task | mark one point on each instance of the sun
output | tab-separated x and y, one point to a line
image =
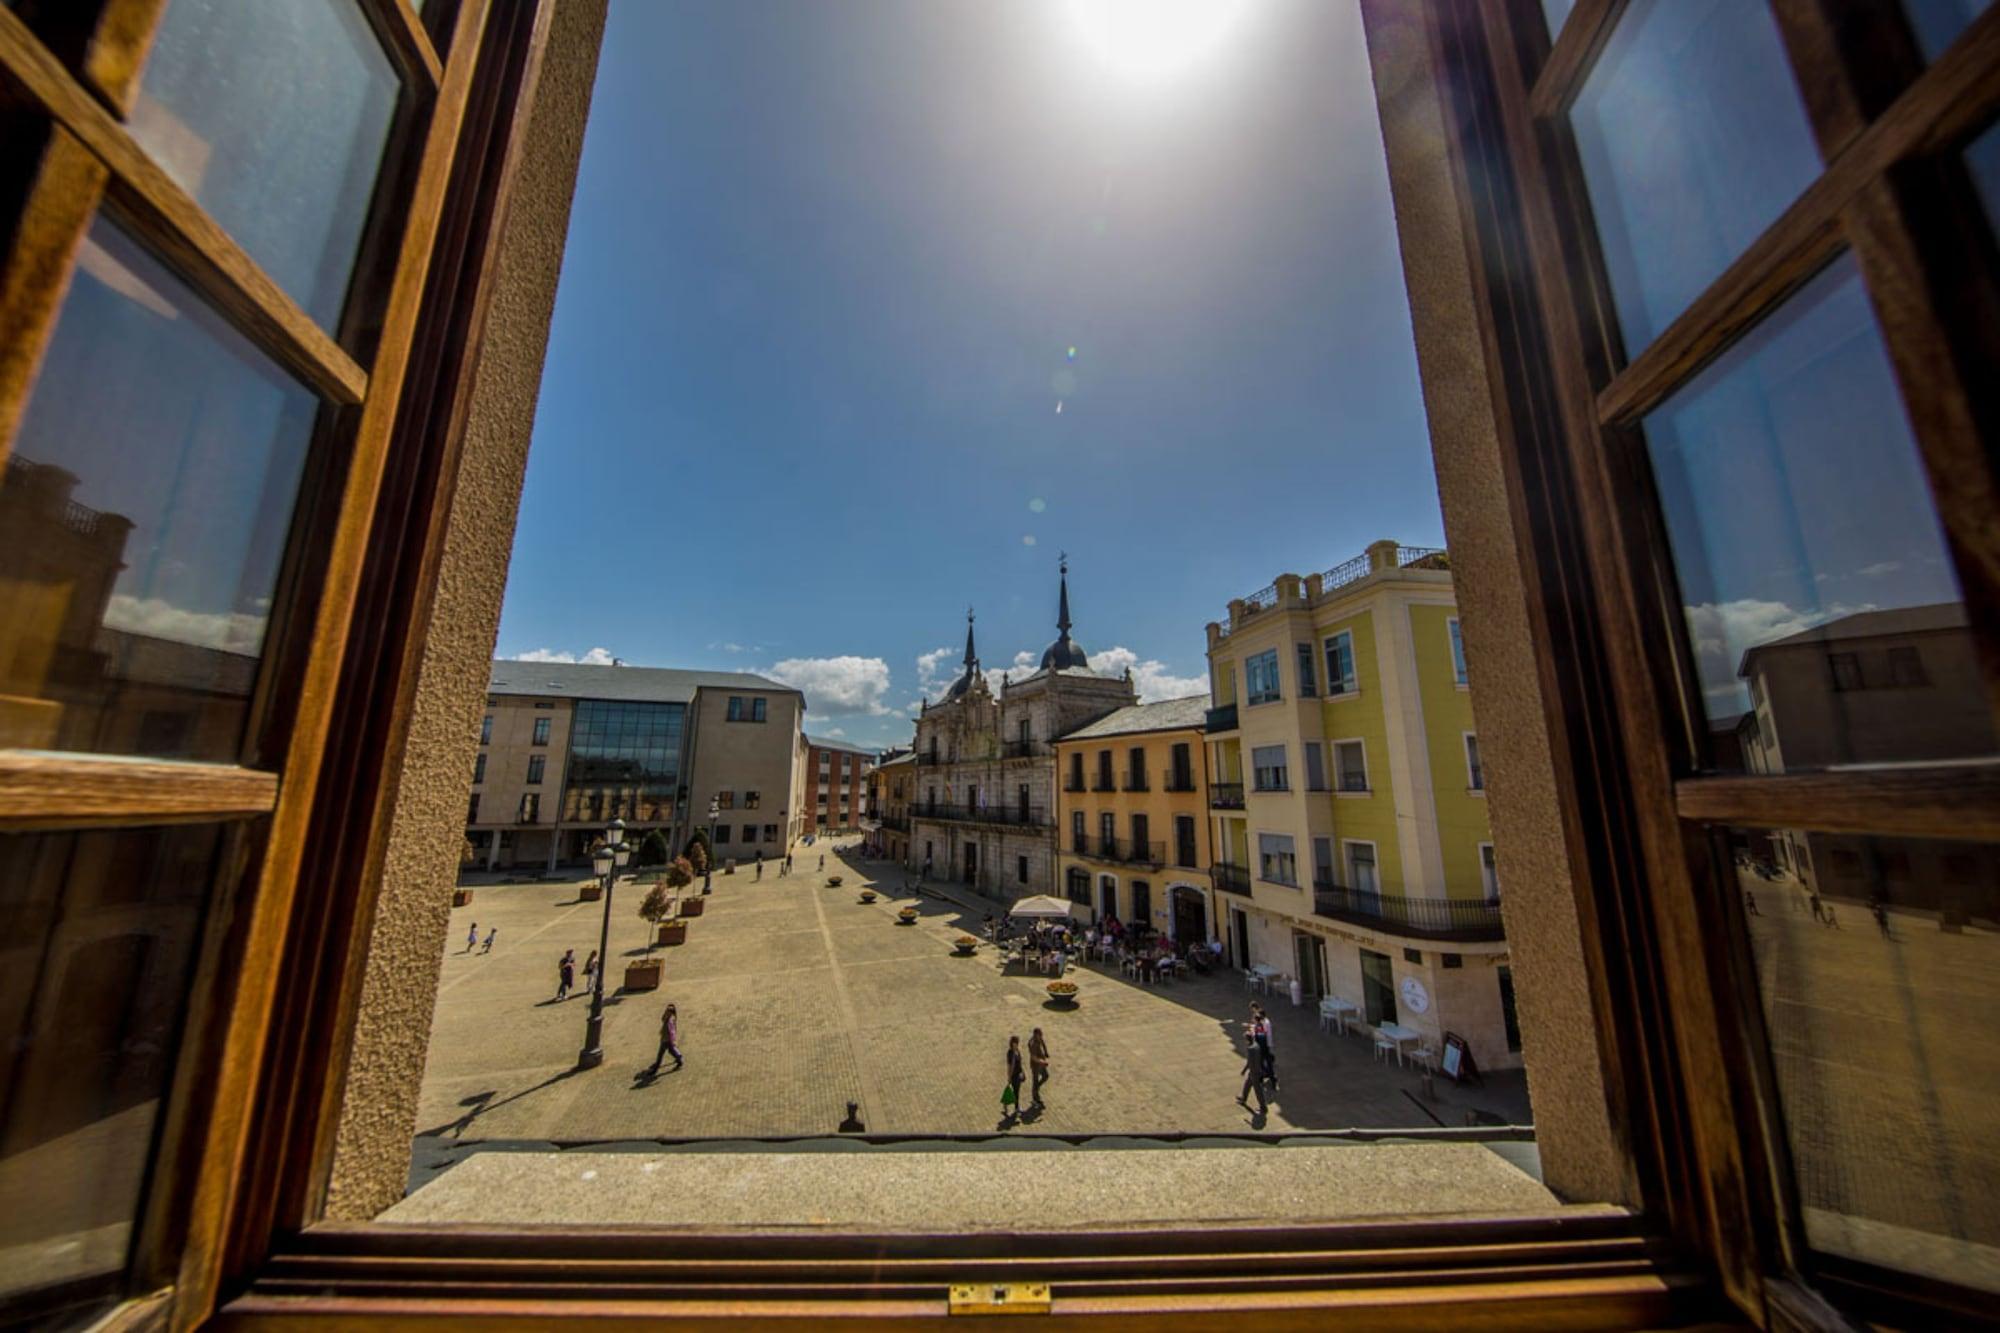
1150	37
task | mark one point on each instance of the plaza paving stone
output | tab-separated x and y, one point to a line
796	998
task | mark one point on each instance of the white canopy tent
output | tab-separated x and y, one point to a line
1041	905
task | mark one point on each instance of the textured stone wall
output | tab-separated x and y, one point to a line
379	1103
1580	1158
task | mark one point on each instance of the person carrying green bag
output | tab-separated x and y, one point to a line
1010	1096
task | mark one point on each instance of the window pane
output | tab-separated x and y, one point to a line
1557	13
1982	159
1807	549
1938	23
142	518
274	117
1692	140
1873	955
102	932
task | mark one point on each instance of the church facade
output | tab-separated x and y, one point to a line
983	813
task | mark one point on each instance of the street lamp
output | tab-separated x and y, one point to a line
607	860
708	869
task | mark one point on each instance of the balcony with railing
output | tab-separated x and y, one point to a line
1220	719
1225	795
1103	782
1230	878
1032	816
1180	782
1136	782
1464	920
1023	749
1073	784
930	760
1120	851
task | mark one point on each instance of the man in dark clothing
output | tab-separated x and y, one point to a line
670	1036
1253	1073
1038	1065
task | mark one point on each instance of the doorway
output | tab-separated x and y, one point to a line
972	863
1239	935
1378	987
1142	904
1107	897
1190	915
1309	957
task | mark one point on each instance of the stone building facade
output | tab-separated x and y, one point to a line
983	811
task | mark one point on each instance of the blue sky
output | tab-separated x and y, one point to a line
825	270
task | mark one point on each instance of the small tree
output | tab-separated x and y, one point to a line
659	900
697	853
652	849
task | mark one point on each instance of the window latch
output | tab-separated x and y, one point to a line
999	1298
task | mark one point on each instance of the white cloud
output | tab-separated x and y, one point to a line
836	733
1149	675
837	686
736	647
1723	631
231	631
595	657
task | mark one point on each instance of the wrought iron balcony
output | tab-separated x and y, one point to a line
930	760
1225	795
1033	816
1122	851
1023	749
1136	782
1072	784
1466	920
1103	783
1180	782
1220	719
1230	878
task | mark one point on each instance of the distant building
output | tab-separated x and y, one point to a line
1352	846
836	788
1132	818
984	811
564	749
890	783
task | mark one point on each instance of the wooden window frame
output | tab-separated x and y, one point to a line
235	1224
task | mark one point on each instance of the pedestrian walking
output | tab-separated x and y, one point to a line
471	938
1881	911
760	865
1010	1096
1818	910
565	974
590	971
788	863
822	860
927	865
1260	1031
670	1039
491	935
1038	1065
1253	1073
1751	899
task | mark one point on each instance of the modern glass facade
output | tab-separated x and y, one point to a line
624	762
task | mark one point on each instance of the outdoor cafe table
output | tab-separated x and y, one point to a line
1265	972
1339	1009
1399	1034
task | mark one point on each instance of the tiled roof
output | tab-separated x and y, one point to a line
822	743
1167	715
635	684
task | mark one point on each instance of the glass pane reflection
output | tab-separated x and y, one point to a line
1824	613
1938	23
1982	159
274	116
100	932
1692	140
1557	13
1876	960
143	514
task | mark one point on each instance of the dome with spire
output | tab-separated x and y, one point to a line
971	672
1065	652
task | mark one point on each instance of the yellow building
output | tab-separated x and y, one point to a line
1352	846
1132	819
890	785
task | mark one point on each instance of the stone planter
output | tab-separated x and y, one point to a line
868	895
644	975
591	892
907	917
460	897
965	946
673	932
1062	992
692	906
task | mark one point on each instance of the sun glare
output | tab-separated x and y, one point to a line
1151	37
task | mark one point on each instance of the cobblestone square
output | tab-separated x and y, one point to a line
796	998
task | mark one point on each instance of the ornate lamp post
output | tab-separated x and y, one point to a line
708	871
607	861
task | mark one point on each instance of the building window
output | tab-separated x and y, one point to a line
486	730
472	810
1489	872
751	800
1107	833
1077	886
1508	1019
1260	677
1141	837
770	833
1323	863
1268	768
1361	875
531	807
1079	840
749	833
1846	671
1075	772
1135	776
542	730
1350	765
536	764
721	834
1340	663
1457	651
1021	863
1475	772
735	708
1184	841
1906	667
757	710
1104	782
725	800
1183	767
1315	767
478	769
1276	862
1021	802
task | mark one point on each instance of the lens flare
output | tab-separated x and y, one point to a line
1150	37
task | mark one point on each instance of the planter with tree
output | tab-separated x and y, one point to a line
652	850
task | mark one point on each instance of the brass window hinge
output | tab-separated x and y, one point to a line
999	1298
